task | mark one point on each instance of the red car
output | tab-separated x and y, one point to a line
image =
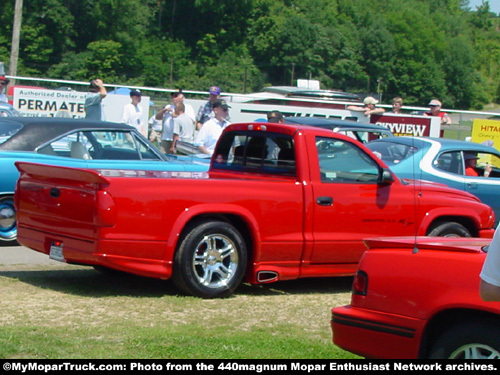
419	298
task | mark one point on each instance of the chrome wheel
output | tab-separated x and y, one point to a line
475	351
211	259
215	261
8	229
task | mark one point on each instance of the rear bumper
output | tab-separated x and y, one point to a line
373	334
144	258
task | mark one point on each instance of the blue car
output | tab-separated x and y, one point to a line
445	161
75	143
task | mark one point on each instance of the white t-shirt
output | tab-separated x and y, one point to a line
491	267
132	115
184	128
210	133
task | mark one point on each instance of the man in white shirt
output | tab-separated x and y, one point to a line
183	127
211	130
132	112
165	114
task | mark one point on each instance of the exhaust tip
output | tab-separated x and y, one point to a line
267	276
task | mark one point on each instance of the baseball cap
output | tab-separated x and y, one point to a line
214	90
435	102
274	115
370	100
221	103
135	93
3	78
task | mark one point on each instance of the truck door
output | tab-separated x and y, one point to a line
349	204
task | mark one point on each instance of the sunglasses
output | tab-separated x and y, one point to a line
3	83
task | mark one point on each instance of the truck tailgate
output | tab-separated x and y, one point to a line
59	199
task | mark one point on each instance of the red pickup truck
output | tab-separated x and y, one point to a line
278	202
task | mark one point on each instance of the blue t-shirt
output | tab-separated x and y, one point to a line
93	107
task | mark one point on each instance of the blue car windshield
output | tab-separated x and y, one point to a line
8	129
392	153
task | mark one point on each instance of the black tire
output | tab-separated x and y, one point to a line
472	340
210	261
449	229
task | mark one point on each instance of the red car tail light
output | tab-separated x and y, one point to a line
106	210
360	283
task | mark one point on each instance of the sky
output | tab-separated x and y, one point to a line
494	5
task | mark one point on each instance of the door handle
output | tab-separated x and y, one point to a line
472	185
324	201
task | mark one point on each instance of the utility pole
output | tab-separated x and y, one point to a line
16	32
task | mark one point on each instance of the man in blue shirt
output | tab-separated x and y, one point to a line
93	102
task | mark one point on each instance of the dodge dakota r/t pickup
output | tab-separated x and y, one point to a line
278	202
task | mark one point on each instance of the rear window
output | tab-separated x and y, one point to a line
256	152
8	129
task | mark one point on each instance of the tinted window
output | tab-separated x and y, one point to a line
392	153
450	162
100	145
8	129
257	152
341	162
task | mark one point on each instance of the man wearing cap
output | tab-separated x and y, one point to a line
132	112
471	165
211	130
3	84
275	116
435	110
368	108
93	102
205	112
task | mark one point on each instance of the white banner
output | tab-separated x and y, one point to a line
54	103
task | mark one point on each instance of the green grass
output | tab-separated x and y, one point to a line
75	312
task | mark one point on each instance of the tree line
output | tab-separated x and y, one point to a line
416	49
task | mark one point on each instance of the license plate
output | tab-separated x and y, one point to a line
56	251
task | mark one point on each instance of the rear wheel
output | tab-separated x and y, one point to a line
473	340
8	227
211	260
449	229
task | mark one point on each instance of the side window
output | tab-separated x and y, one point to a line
344	162
489	159
450	162
257	152
74	145
120	145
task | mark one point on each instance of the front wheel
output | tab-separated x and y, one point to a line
8	227
473	340
210	261
449	229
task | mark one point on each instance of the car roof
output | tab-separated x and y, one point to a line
331	123
36	131
446	143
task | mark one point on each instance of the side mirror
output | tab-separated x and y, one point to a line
386	177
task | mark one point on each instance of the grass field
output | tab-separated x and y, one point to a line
57	312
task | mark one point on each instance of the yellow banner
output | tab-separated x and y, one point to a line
486	132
